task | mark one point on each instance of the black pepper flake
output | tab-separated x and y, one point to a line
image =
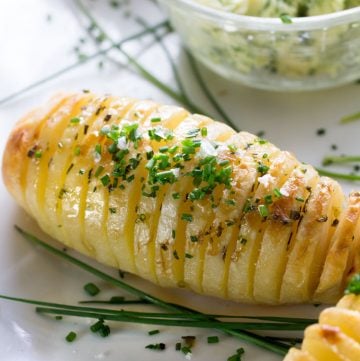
107	117
334	147
86	128
335	222
70	167
32	151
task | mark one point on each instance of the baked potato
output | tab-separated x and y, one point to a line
182	200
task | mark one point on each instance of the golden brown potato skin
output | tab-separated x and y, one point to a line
182	200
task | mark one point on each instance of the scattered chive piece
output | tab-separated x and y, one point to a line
187	217
204	132
176	256
213	339
286	19
58	318
96	326
99	170
38	154
155	120
274	346
238	356
194	239
186	350
156	346
277	193
75	120
112	210
263	210
153	332
91	289
105	180
320	131
188	255
178	346
354	285
71	336
104	331
176	195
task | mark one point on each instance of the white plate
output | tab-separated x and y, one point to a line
32	47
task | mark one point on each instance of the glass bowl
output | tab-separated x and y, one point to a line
310	53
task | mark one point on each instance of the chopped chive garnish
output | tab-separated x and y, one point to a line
156	346
277	193
272	345
71	336
187	217
178	346
75	120
98	149
105	180
176	256
204	131
194	239
91	289
230	202
97	326
299	199
153	332
188	255
238	356
268	199
262	169
58	318
38	154
186	350
99	170
263	210
155	120
112	210
173	233
176	195
213	339
104	331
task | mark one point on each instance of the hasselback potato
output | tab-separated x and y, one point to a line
337	335
182	200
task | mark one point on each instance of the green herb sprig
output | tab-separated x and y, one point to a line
274	346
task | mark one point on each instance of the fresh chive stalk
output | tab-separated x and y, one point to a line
146	74
208	94
349	177
117	45
276	347
340	160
